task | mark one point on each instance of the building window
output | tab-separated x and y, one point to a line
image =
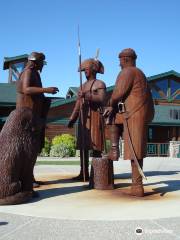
150	134
175	114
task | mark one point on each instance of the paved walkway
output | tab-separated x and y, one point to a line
69	210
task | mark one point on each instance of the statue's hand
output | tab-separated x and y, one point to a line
108	112
52	90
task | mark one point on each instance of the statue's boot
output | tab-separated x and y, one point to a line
85	170
114	150
137	184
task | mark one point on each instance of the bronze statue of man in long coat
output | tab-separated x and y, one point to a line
90	100
132	90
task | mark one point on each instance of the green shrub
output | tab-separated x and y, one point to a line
46	149
108	145
63	146
59	150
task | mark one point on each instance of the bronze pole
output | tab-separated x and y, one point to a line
81	107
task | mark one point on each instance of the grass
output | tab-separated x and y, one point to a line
51	162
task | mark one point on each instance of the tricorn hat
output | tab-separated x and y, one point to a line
37	56
128	52
91	62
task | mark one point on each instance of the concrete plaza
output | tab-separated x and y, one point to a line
69	210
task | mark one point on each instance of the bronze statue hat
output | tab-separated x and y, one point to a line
37	56
91	62
128	52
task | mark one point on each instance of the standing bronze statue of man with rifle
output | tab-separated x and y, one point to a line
88	108
130	110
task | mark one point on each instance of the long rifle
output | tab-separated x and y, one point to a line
81	108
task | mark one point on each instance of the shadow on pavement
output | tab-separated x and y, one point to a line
3	223
53	192
147	174
121	185
57	181
171	186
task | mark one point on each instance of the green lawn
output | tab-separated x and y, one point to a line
57	162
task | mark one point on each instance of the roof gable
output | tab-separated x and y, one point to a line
12	60
165	75
72	92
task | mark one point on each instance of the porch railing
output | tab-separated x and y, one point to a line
157	149
153	149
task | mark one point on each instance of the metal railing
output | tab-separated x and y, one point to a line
153	149
157	149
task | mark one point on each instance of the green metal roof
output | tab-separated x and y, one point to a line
163	117
168	74
7	94
62	102
60	120
14	59
2	120
74	90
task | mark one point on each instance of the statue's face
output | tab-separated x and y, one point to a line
89	71
122	62
126	61
40	65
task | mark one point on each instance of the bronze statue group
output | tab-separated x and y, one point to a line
127	112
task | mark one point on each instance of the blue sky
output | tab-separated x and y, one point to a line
150	27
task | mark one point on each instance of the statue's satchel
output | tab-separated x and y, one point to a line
119	114
123	113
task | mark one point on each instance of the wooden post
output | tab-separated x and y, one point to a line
10	74
169	90
102	174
